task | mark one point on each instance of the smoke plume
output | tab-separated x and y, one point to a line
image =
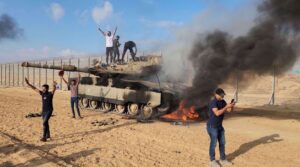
270	43
9	28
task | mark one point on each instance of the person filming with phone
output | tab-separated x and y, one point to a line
216	111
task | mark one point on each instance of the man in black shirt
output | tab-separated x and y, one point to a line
47	106
216	110
129	45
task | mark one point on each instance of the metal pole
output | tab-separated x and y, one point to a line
53	71
40	75
1	74
33	76
78	63
89	63
272	100
18	74
60	78
23	76
28	73
5	75
69	71
46	75
236	95
13	76
8	74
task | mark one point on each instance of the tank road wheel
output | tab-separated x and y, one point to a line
133	109
147	112
120	108
106	106
94	104
85	103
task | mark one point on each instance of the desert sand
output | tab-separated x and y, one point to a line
256	134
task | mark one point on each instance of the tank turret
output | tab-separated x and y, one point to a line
144	66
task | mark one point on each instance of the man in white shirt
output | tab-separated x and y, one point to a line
109	44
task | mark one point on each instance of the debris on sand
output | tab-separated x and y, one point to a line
32	115
109	121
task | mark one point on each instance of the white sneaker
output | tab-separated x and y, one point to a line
214	163
226	162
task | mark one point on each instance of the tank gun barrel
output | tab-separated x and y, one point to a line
56	67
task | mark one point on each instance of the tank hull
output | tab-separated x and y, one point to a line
119	96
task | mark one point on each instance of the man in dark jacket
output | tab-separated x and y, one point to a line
129	45
47	106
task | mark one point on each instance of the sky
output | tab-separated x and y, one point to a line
69	27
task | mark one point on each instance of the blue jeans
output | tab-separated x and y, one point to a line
216	135
74	101
46	129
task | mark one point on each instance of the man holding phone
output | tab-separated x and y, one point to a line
216	111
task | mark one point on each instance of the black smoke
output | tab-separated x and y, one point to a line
9	28
270	44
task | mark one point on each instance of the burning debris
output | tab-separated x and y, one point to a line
182	114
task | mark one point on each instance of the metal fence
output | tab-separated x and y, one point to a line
13	74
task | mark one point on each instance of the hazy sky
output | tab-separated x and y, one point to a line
62	28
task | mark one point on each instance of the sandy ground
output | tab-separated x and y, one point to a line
255	136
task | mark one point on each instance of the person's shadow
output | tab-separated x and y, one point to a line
248	146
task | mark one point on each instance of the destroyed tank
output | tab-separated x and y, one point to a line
131	88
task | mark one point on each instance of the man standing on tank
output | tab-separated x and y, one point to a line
108	43
73	86
116	45
216	111
129	45
47	106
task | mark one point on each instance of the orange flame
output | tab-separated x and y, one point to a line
182	113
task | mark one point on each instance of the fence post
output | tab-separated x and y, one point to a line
40	74
5	75
78	63
236	94
60	77
89	63
53	71
69	71
1	74
13	74
46	73
33	75
18	74
22	76
272	100
28	76
8	74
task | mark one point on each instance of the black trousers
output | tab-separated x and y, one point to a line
46	129
109	53
131	53
116	54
